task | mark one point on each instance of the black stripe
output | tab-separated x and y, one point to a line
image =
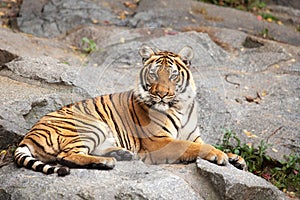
190	113
30	163
156	121
187	81
115	122
76	147
173	122
196	138
50	170
40	167
59	142
86	108
125	138
142	79
77	128
191	133
165	129
46	137
98	111
36	143
39	145
64	120
135	118
131	97
22	159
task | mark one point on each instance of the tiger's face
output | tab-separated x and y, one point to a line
165	77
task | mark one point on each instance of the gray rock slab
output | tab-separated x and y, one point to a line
53	17
25	45
136	180
44	18
223	79
128	180
31	88
236	184
34	86
197	14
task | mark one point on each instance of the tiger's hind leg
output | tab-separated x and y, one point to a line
118	153
237	161
82	160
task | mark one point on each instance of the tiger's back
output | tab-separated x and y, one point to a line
157	122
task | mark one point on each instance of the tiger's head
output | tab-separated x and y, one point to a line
165	81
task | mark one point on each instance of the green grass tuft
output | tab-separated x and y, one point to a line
283	174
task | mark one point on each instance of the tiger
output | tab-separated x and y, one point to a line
155	122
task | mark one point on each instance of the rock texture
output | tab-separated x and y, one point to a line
224	80
245	83
43	17
135	180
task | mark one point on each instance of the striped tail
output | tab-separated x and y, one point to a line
23	157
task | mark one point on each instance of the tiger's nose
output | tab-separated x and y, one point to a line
161	94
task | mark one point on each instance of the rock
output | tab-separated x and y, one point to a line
6	57
236	184
44	69
136	180
195	14
44	18
291	3
129	180
223	79
24	45
31	88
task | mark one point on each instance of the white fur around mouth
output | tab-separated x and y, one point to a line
161	106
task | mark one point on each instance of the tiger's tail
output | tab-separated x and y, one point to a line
23	157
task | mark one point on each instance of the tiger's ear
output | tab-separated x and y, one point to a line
146	51
186	54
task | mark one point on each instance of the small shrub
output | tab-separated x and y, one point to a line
239	4
88	45
283	174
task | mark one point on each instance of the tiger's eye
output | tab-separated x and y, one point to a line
152	75
174	75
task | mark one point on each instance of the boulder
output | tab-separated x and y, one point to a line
136	180
244	83
43	17
224	80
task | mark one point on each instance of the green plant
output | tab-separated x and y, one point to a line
265	34
269	16
88	45
239	4
254	157
287	176
283	174
6	155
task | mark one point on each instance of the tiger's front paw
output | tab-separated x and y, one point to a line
214	155
237	161
120	154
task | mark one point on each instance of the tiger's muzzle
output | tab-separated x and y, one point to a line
161	94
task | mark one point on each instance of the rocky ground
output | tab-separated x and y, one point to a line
246	83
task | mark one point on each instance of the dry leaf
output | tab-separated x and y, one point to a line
122	15
264	93
122	40
95	21
130	5
249	144
253	99
249	134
